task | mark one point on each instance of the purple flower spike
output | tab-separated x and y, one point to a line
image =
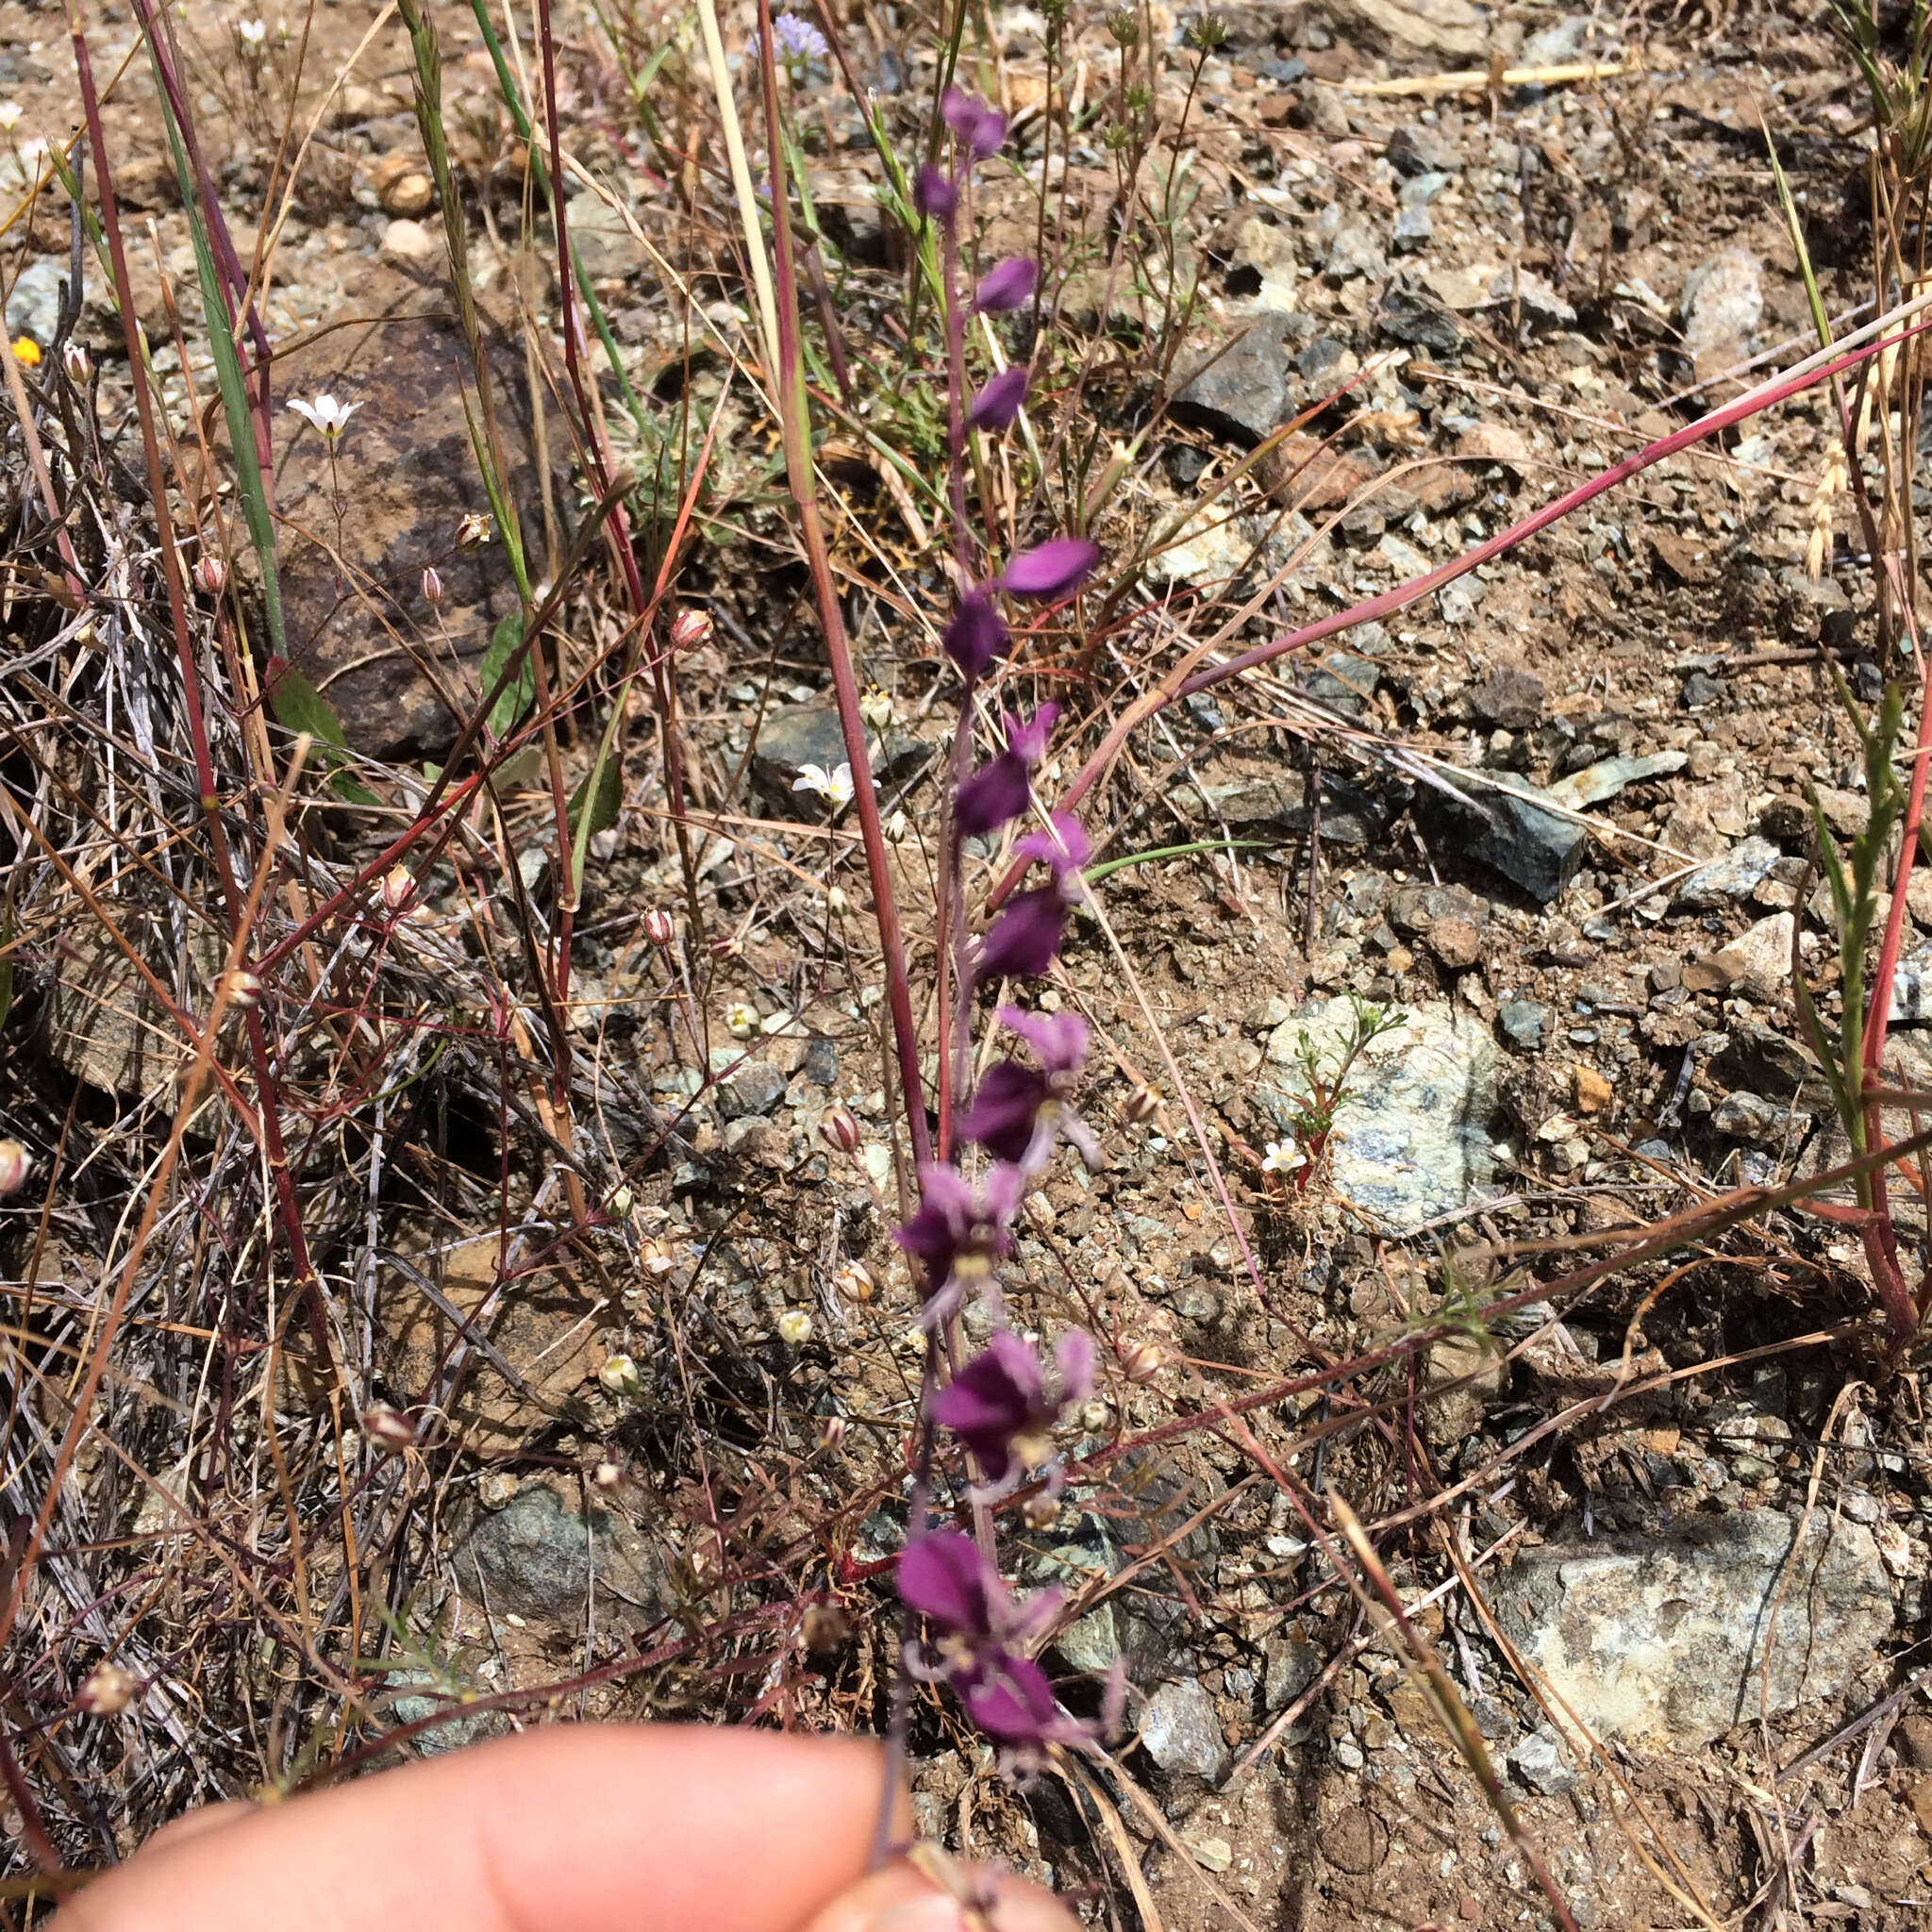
999	791
1008	284
980	129
998	402
936	193
1066	848
960	1232
941	1576
975	636
1000	1406
1051	570
1025	937
1006	1106
1019	1112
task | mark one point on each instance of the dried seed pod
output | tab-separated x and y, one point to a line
210	574
824	1627
1141	1362
659	926
105	1689
432	584
1143	1103
839	1128
388	1429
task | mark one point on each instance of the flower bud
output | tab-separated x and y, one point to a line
691	628
836	903
78	364
824	1627
936	193
839	1130
875	706
607	1474
398	887
210	574
1205	32
105	1689
897	827
996	406
619	1376
1050	570
1141	1362
659	926
727	946
854	1281
619	1204
432	584
1006	287
1123	23
1041	1512
15	1165
1143	1103
832	1430
243	989
795	1327
388	1429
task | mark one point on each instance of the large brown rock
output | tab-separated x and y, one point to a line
359	629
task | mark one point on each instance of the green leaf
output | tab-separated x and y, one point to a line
299	707
505	642
605	801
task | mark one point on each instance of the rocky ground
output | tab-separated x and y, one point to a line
1668	1535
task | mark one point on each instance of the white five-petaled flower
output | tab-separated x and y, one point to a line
253	32
742	1019
10	116
835	788
1283	1157
326	415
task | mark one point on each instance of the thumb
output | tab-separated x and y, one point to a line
958	1898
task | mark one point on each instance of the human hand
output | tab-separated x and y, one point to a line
572	1828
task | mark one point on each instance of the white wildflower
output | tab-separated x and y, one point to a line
326	415
835	788
253	34
742	1018
10	116
794	1326
1283	1157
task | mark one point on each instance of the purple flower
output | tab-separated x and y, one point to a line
796	40
998	402
936	193
1006	285
1018	1111
1024	938
1064	845
980	1633
999	1405
978	128
960	1231
1000	789
1050	570
977	635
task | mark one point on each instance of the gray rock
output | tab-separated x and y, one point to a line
1535	848
1293	1664
1608	777
1543	1764
1344	680
414	1708
611	252
1355	251
1413	230
755	1088
1723	303
795	736
1752	1119
1701	691
1241	392
535	1557
33	304
821	1062
1911	989
1736	875
1095	1641
1406	316
1181	1730
1415	1140
1661	1641
1522	1023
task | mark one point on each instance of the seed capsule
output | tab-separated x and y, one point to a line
659	926
210	575
432	584
839	1128
388	1429
689	629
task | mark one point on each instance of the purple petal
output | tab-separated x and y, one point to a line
1014	1702
998	402
1066	848
1059	1039
942	1578
1075	1359
1002	1192
1050	570
975	636
960	111
980	129
936	193
1006	285
1004	1105
1024	940
1028	740
994	794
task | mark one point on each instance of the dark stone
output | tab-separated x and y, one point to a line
1420	150
1508	696
821	1063
535	1557
1185	465
1532	846
1761	1057
795	736
409	474
755	1088
1701	691
1343	681
1241	392
1286	72
1321	358
1407	317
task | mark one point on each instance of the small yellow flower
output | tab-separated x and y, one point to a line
27	352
